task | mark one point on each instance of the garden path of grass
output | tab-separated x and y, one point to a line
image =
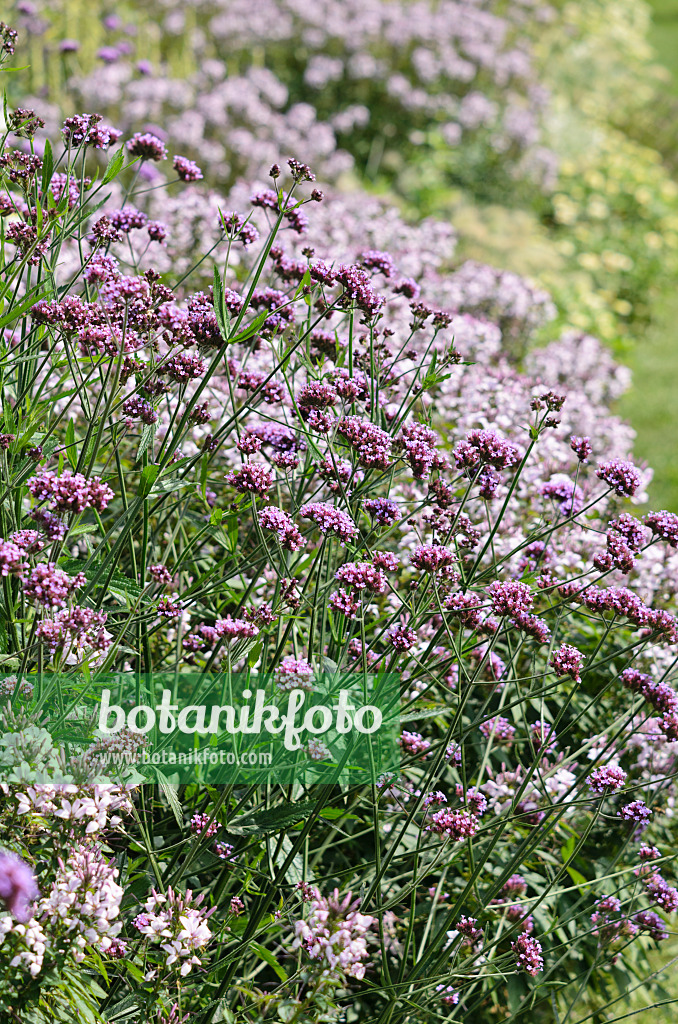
652	405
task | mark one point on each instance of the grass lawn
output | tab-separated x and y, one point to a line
664	34
652	406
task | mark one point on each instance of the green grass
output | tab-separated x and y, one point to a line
664	34
652	405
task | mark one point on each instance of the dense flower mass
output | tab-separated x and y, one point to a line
333	935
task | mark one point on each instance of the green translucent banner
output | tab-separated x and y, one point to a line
215	728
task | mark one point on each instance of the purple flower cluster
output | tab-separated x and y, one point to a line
510	597
186	169
455	825
485	447
500	729
294	673
434	558
12	557
147	146
273	518
622	476
253	478
384	511
371	444
50	586
661	893
606	779
330	519
665	525
70	492
362	576
637	810
528	953
568	661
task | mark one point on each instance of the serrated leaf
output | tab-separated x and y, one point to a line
130	1004
413	716
114	166
254	654
146	440
147	479
333	813
271	819
118	581
170	483
78	531
170	793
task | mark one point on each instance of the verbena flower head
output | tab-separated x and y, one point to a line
330	519
147	146
622	476
528	954
568	661
606	779
294	673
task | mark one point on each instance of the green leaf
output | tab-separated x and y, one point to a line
333	813
305	282
170	483
220	310
170	793
567	849
515	992
78	531
47	166
413	716
147	479
215	518
128	1006
269	958
21	309
577	878
146	440
253	656
71	453
114	166
253	327
271	819
232	529
7	413
118	581
204	468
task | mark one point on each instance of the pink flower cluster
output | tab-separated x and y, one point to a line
333	935
70	492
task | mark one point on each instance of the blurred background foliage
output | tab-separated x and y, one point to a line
599	230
